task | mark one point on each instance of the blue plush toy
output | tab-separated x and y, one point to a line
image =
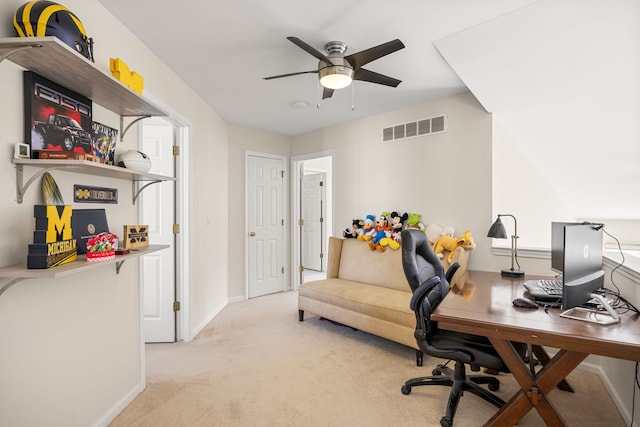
368	230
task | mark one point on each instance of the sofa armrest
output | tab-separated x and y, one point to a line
333	257
461	256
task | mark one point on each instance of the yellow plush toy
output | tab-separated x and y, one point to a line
448	243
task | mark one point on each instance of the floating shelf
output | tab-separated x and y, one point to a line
84	167
54	60
20	272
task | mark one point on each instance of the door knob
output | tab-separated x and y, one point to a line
252	233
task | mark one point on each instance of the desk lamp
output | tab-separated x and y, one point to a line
497	231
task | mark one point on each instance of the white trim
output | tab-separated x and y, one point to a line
596	368
120	406
295	201
209	318
610	258
183	139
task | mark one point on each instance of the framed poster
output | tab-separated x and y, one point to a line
55	117
104	143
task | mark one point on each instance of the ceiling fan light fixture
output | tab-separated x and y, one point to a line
336	76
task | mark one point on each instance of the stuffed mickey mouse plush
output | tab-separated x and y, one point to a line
397	224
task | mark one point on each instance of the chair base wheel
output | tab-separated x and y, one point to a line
444	422
405	390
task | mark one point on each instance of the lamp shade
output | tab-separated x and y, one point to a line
497	230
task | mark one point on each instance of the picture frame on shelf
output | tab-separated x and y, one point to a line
87	223
55	118
104	140
22	151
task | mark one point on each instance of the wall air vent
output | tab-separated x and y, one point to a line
428	126
387	134
398	132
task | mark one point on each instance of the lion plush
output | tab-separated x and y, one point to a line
448	243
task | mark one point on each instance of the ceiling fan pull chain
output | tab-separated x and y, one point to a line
353	96
318	95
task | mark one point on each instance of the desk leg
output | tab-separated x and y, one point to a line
534	389
544	358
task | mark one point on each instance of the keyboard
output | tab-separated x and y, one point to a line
544	289
550	287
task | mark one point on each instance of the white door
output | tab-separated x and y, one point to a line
312	219
265	222
158	212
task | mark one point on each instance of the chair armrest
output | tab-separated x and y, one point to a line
422	289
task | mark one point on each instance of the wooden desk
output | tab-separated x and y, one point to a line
480	303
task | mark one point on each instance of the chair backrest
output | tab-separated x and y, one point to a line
426	277
419	262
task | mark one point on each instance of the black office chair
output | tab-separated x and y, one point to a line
430	284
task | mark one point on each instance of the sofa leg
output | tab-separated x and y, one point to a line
301	315
419	355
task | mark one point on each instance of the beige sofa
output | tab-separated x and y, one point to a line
367	290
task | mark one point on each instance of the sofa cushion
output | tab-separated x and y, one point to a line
375	301
359	263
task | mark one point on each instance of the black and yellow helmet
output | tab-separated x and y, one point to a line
45	18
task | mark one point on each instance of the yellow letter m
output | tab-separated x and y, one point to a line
59	223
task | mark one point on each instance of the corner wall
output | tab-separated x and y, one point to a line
71	347
444	177
242	140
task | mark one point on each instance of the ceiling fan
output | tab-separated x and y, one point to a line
336	71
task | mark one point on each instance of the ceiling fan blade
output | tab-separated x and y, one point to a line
290	74
326	92
309	49
363	57
365	75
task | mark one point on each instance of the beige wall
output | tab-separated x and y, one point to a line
71	347
241	141
444	177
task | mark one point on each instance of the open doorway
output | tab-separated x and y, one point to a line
312	208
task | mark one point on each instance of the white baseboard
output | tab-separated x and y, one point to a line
119	407
209	318
613	391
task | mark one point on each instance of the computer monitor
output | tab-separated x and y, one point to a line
557	245
582	264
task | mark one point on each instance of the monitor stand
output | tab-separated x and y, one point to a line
594	316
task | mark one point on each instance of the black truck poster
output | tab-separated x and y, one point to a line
56	118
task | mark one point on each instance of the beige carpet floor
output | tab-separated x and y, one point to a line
255	364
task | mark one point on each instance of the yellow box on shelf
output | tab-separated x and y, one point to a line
131	79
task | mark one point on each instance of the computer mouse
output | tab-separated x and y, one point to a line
525	303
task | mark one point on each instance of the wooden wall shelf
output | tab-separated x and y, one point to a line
81	166
19	272
54	60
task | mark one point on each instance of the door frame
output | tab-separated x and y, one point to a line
321	217
296	161
285	197
182	196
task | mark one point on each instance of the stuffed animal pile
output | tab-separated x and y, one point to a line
384	231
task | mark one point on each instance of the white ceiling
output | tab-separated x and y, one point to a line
560	76
223	49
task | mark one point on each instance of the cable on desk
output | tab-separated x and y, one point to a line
621	302
620	264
